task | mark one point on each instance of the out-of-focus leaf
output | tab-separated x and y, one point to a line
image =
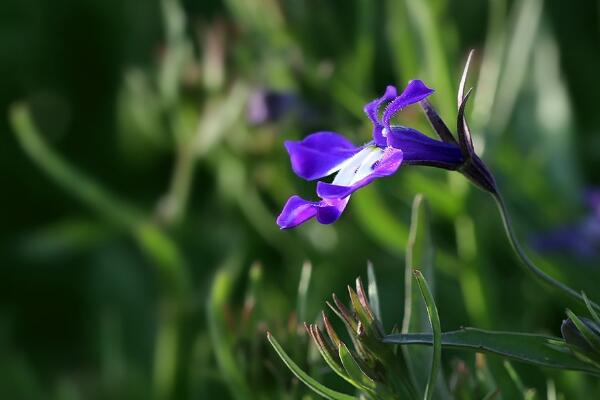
63	239
553	112
221	291
401	40
437	67
65	175
539	350
303	290
373	291
378	221
525	22
419	255
516	379
165	255
304	377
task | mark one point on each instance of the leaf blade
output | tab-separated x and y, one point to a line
538	350
304	377
434	319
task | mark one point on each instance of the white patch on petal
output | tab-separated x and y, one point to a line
358	167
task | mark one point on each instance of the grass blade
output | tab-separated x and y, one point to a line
221	291
373	291
304	377
434	319
303	285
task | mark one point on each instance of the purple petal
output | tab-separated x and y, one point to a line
372	110
297	211
414	92
319	154
420	149
387	165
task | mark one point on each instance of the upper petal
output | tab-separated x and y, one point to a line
414	92
420	149
372	108
297	211
319	154
372	111
388	164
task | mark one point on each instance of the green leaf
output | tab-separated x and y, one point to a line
401	41
326	352
419	254
66	175
355	372
432	35
516	379
434	319
303	290
304	377
590	308
220	335
543	351
378	221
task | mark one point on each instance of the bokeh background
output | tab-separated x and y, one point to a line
142	168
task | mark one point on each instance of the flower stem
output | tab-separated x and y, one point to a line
526	261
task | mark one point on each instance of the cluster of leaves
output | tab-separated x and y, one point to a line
379	370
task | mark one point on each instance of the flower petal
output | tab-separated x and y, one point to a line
387	165
297	211
420	149
319	154
372	110
414	92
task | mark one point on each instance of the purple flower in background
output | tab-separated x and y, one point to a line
268	105
581	239
325	153
592	198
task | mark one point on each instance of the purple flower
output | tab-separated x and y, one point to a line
592	198
325	153
268	105
580	239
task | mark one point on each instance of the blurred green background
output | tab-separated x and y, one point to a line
139	252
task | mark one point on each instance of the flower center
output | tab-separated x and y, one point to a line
358	166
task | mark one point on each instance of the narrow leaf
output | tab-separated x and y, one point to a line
419	252
590	308
304	377
326	353
373	291
303	290
355	372
538	350
434	319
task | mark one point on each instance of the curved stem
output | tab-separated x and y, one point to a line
527	263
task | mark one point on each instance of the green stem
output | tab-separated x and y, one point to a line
526	261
